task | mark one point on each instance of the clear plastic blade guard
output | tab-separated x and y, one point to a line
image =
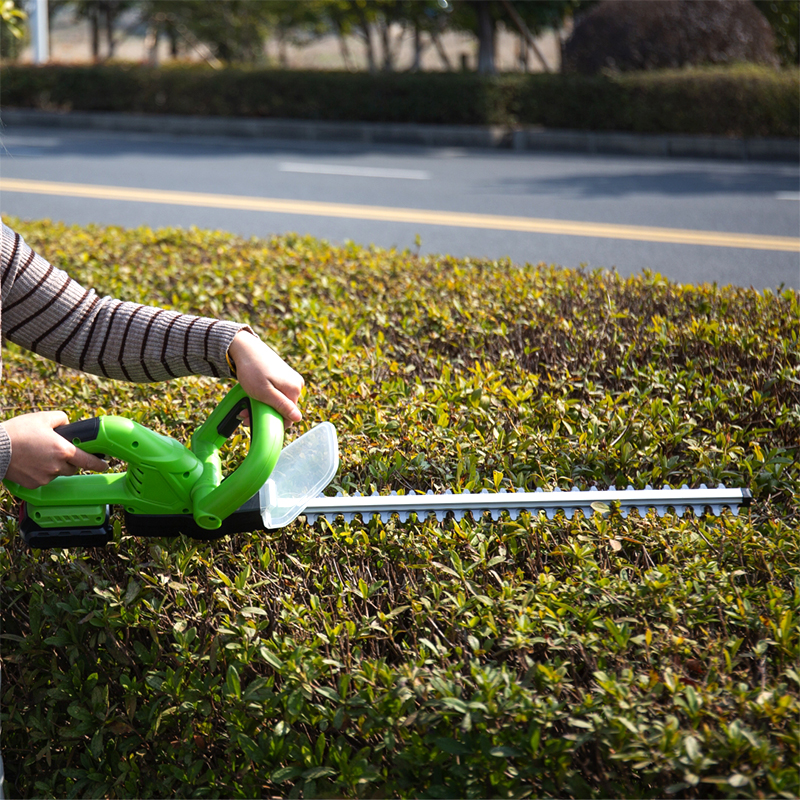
304	468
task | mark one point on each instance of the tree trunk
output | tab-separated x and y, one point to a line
283	52
486	33
343	49
522	54
110	14
386	41
151	43
366	27
94	21
417	64
527	35
441	51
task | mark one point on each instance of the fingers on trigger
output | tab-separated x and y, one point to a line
84	460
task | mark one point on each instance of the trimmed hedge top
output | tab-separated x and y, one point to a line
601	657
745	101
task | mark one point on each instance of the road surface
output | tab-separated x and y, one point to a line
693	221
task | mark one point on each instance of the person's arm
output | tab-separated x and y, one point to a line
44	310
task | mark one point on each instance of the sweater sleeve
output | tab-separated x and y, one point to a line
45	311
5	451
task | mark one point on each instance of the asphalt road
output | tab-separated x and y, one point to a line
693	221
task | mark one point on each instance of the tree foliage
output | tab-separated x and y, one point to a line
12	28
481	18
784	16
12	18
234	30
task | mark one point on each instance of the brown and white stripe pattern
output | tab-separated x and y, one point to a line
45	311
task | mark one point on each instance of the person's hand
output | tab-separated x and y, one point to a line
39	454
265	376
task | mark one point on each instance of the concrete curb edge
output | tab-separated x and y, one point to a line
477	136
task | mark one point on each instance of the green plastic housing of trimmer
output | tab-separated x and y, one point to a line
164	478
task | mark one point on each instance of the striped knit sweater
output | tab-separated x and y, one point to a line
44	310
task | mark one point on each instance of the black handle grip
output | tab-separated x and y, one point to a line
85	430
231	421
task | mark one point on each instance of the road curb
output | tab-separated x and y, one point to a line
477	136
668	146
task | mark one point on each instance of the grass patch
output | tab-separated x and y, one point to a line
637	657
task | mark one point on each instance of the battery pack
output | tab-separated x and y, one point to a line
34	535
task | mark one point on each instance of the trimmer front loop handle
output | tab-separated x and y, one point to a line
212	498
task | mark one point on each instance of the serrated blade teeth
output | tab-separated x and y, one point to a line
495	504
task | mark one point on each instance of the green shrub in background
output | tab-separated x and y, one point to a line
741	101
600	657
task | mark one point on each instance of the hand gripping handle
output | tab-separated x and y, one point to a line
85	430
212	498
128	441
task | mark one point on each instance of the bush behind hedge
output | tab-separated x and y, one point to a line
591	657
743	101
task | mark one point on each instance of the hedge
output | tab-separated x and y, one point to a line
591	657
741	101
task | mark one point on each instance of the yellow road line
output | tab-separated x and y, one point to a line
414	216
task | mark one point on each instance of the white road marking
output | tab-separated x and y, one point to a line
10	140
787	196
20	151
310	168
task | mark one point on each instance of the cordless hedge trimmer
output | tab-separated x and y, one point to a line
170	489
